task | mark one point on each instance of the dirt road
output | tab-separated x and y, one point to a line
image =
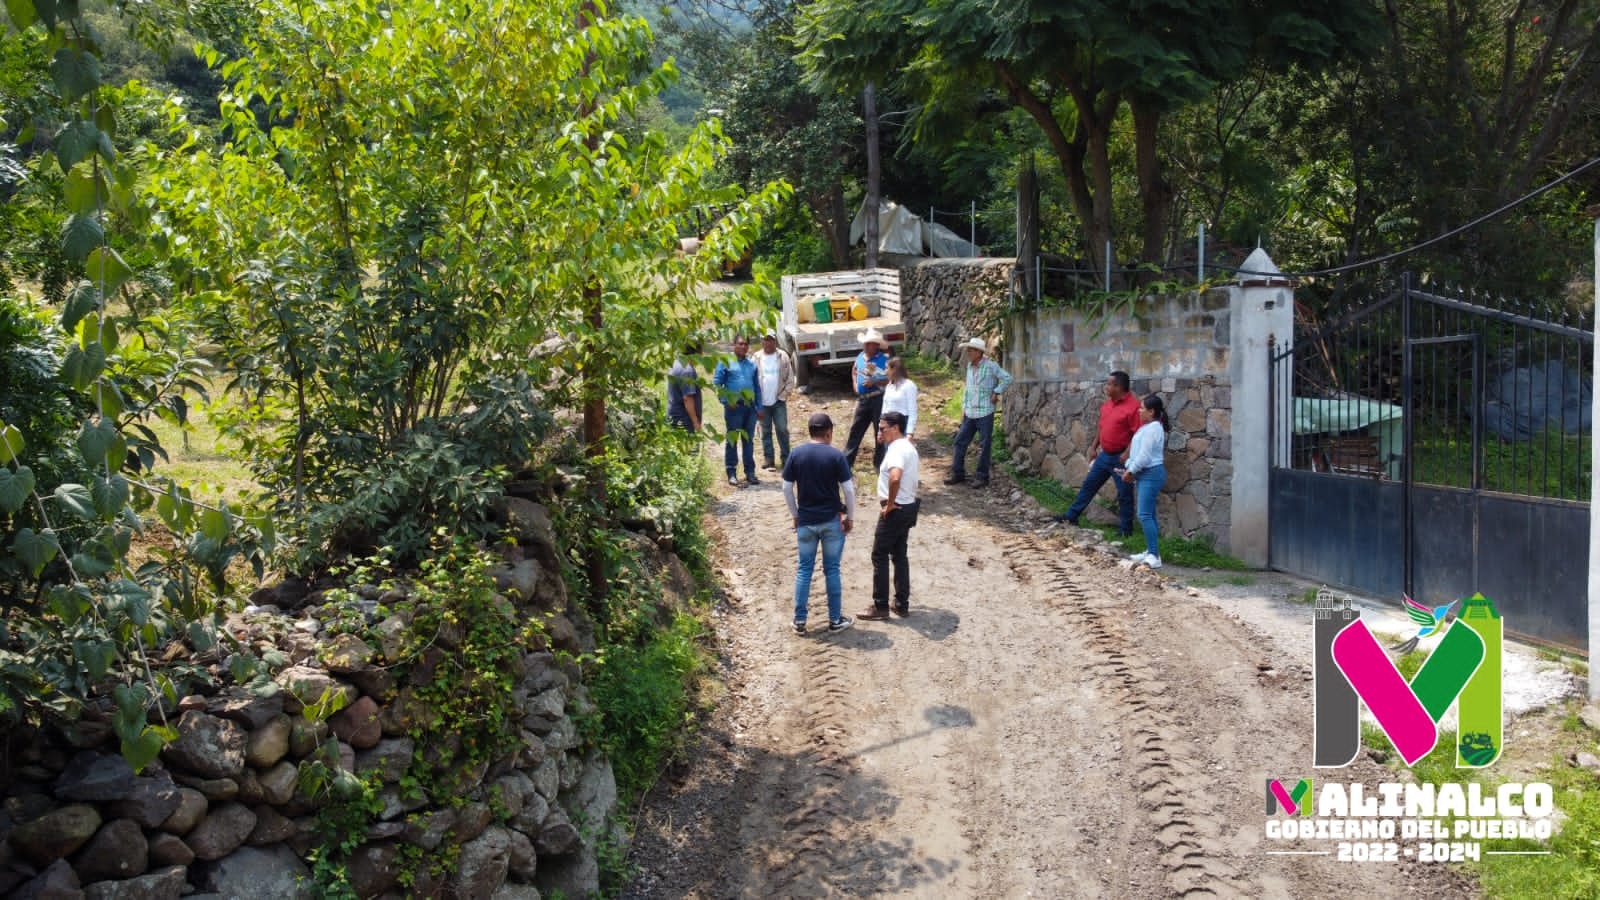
1046	723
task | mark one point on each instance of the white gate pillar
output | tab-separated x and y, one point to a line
1260	315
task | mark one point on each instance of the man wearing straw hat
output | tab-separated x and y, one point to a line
985	382
868	376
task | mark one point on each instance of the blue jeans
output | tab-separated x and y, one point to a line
741	428
1149	483
983	428
1099	471
831	535
777	416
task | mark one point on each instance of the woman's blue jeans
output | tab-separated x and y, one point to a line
830	535
1148	485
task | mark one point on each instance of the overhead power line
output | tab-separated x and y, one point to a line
1351	267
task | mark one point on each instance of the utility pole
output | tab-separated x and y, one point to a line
870	103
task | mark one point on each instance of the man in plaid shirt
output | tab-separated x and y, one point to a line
985	381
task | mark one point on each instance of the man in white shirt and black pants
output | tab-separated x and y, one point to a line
897	499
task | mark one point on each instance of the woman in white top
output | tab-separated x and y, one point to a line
900	395
1147	471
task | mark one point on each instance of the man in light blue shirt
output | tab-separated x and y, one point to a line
739	388
985	382
868	376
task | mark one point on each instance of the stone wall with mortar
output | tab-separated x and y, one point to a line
225	812
1177	345
946	301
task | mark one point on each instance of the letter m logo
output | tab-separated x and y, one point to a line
1291	802
1464	671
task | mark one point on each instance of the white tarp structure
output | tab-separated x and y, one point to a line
902	231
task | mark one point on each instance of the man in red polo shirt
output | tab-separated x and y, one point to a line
1119	419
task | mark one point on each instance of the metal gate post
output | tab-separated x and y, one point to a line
1407	435
1272	430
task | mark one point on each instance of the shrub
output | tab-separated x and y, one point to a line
447	472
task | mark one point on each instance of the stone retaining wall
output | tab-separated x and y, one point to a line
1175	345
228	811
946	301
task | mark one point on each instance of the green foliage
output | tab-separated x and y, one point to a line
649	658
1211	581
78	480
35	401
471	643
781	128
793	245
1171	54
641	688
1550	464
350	804
373	249
444	472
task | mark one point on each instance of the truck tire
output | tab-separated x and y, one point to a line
802	374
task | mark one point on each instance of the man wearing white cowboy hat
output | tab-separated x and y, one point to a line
985	381
868	376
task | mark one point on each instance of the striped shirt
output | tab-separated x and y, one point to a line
984	380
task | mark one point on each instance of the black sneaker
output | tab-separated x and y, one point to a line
955	479
979	483
1070	520
800	628
902	609
840	624
751	479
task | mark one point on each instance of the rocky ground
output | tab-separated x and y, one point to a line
1048	722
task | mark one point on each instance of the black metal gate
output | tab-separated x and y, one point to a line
1427	443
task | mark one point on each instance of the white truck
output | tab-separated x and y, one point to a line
814	344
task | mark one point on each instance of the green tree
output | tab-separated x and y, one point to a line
1073	65
783	129
413	200
82	480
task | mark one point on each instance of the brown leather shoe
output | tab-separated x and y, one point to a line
874	613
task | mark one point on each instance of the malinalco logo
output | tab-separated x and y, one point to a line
1463	670
1294	801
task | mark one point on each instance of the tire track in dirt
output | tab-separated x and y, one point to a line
1162	772
1046	724
810	822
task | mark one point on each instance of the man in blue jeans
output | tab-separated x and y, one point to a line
985	382
813	480
1119	419
739	388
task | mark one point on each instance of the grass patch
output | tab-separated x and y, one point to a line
1410	663
1571	870
1195	553
933	369
1198	553
952	407
196	458
1211	581
1550	464
1049	493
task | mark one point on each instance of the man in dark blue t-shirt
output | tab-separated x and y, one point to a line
813	480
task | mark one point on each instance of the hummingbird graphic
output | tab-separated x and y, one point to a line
1430	620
